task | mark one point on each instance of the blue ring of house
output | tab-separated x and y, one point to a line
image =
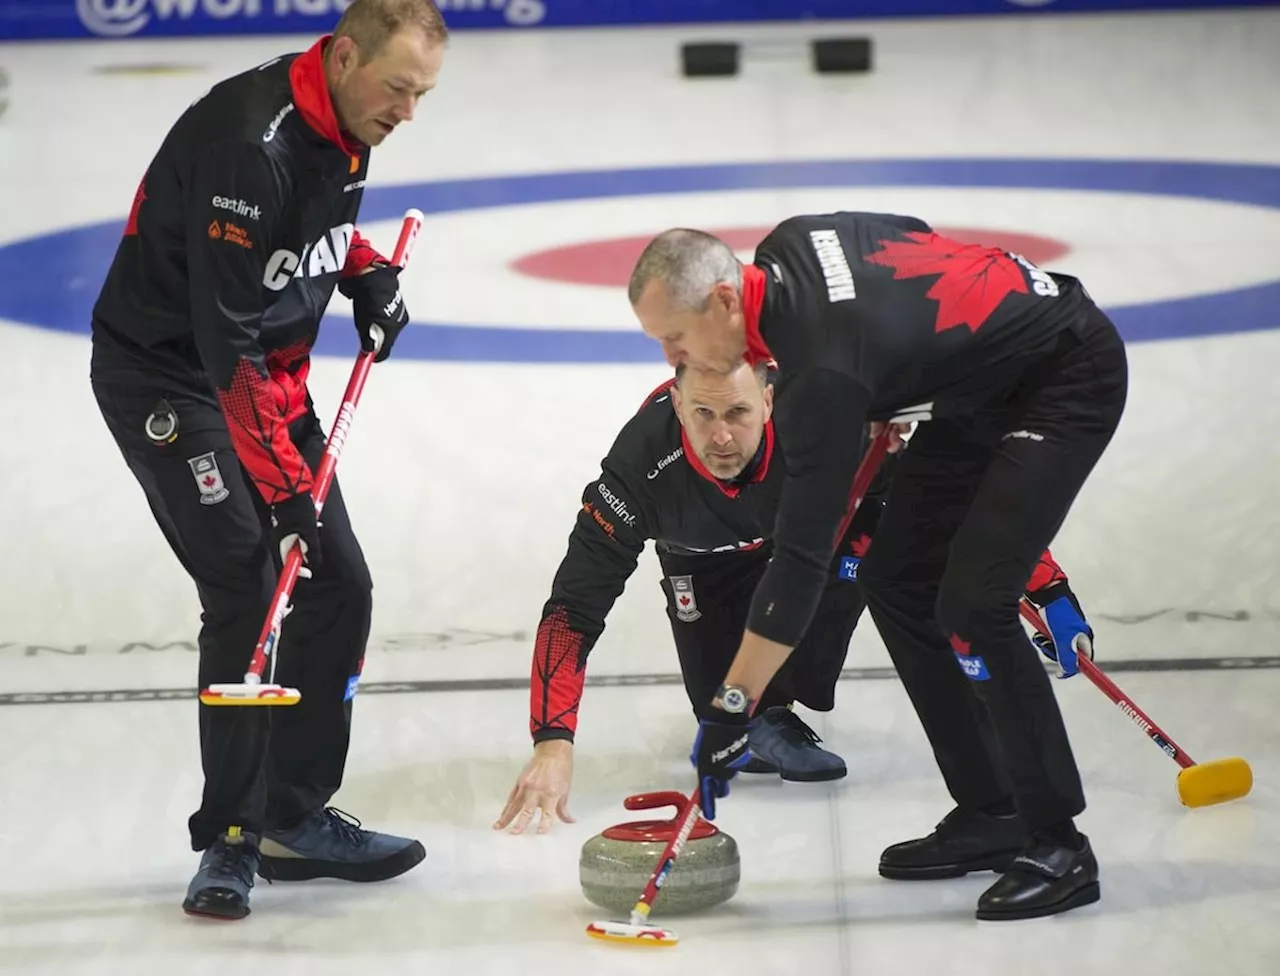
52	280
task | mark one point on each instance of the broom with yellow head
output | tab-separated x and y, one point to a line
1199	784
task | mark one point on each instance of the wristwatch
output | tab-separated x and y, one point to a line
733	699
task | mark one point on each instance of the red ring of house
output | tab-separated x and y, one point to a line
609	262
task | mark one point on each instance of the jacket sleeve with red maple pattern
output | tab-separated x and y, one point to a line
604	548
233	198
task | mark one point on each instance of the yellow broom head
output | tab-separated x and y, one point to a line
637	935
1218	781
250	694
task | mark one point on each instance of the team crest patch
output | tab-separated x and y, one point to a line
205	470
686	603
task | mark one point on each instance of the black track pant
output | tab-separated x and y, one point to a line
973	504
264	767
708	596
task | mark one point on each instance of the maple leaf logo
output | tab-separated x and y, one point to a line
973	280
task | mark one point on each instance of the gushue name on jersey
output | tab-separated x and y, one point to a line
835	267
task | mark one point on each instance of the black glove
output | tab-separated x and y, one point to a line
721	748
376	300
295	518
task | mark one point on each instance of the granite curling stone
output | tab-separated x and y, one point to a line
616	864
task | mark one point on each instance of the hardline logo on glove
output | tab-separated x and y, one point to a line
730	749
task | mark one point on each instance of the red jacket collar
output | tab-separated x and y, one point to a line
731	490
753	286
311	96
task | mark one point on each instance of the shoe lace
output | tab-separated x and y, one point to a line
347	826
794	729
233	860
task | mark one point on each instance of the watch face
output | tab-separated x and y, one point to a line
735	700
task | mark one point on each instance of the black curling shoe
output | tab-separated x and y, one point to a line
965	841
1045	879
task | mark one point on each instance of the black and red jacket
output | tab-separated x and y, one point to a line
240	229
876	317
653	487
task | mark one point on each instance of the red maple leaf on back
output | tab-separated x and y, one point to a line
974	279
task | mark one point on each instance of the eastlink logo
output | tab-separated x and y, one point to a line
119	18
835	267
616	505
238	207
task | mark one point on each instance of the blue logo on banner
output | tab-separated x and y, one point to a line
849	568
139	18
974	668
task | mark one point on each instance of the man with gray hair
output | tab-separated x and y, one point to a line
241	228
1018	382
696	470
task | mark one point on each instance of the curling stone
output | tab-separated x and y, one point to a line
616	864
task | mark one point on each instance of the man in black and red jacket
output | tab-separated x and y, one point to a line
242	226
699	470
1018	382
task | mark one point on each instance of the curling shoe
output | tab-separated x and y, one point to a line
782	743
330	844
965	841
221	887
1048	877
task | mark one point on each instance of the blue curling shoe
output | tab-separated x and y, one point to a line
221	886
782	743
331	844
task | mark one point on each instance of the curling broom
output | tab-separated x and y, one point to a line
253	690
1199	784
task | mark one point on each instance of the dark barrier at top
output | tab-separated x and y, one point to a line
45	19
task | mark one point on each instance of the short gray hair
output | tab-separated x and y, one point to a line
760	369
690	263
